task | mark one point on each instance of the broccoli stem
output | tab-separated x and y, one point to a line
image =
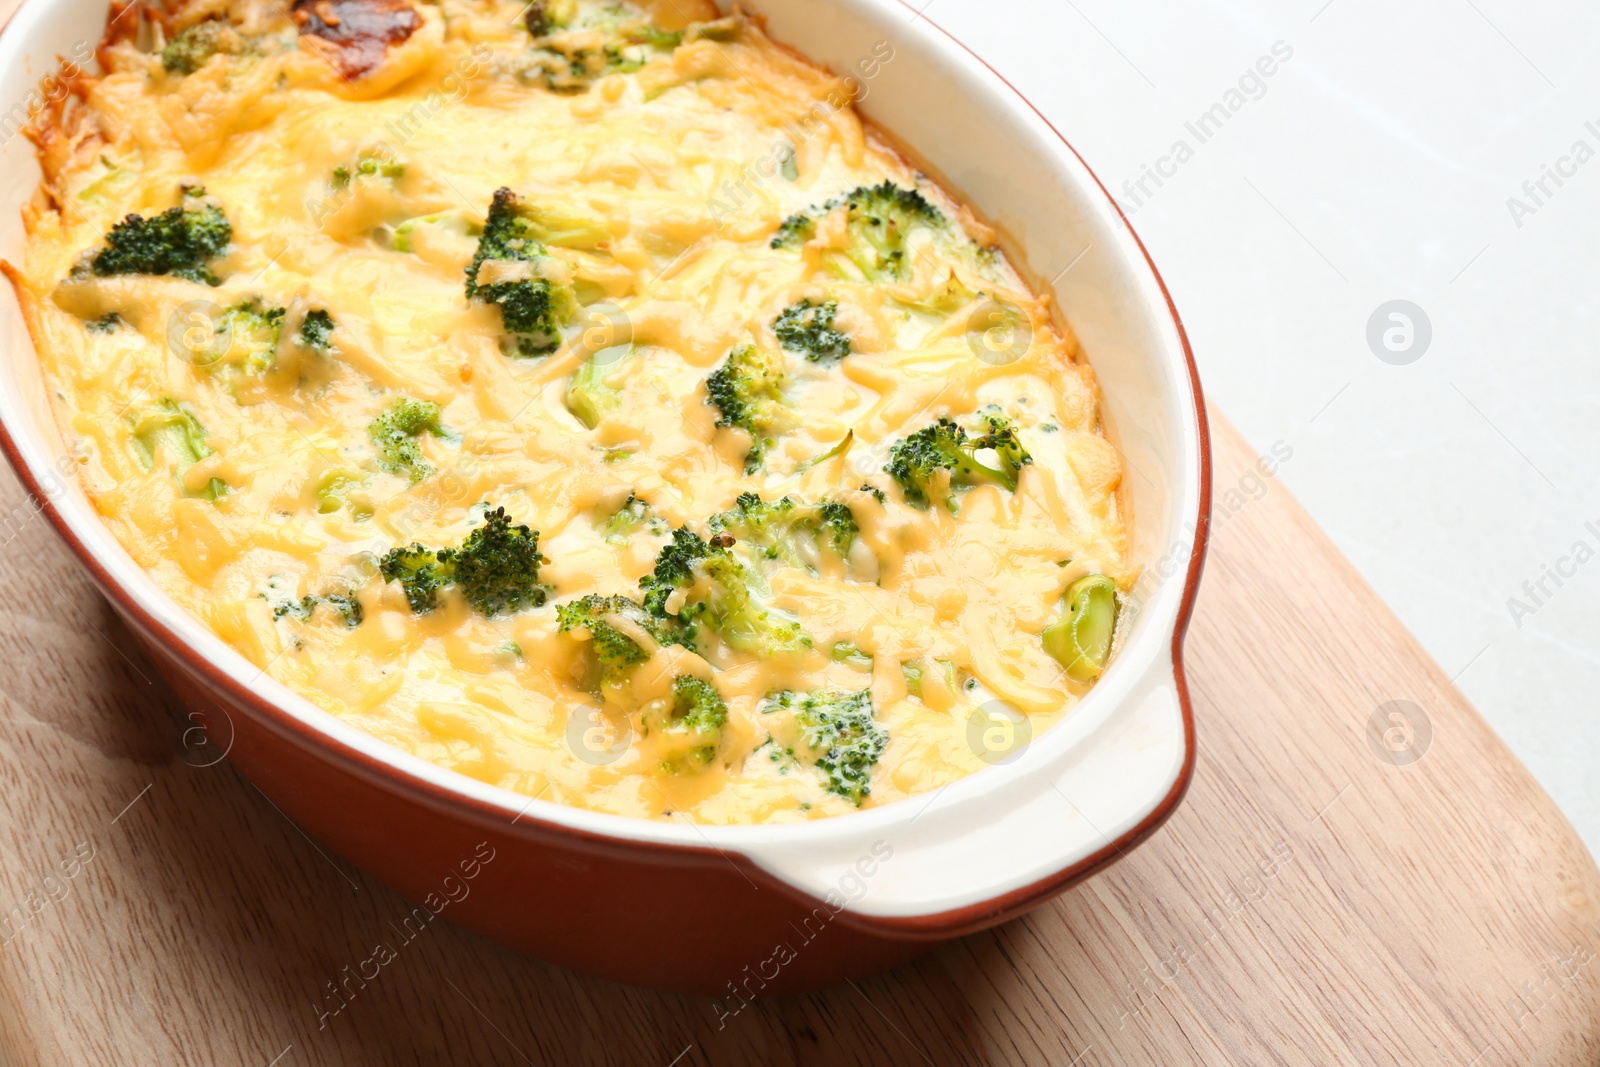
169	429
1081	639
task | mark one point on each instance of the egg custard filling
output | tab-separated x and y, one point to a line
578	396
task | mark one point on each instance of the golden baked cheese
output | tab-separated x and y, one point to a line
577	396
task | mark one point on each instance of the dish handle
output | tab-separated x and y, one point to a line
991	846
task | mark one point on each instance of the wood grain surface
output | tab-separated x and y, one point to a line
1330	892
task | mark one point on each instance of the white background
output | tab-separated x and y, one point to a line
1376	165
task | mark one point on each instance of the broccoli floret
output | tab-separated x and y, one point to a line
799	228
697	703
395	433
687	730
754	518
299	609
1003	441
507	235
567	67
633	50
532	307
346	606
767	526
253	329
748	392
807	329
728	598
496	568
107	323
280	598
177	242
422	573
840	728
633	516
316	329
191	48
167	428
546	16
880	218
674	570
739	617
837	526
787	531
915	461
616	650
610	39
368	166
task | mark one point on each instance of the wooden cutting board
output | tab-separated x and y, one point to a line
1331	892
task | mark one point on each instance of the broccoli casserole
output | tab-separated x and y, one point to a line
575	395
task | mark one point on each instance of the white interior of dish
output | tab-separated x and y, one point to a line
1073	790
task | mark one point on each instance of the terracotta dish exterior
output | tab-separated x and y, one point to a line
738	911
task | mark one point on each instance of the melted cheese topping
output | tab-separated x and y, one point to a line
671	166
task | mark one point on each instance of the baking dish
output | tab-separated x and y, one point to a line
742	910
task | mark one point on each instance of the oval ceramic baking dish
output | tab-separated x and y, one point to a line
775	908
